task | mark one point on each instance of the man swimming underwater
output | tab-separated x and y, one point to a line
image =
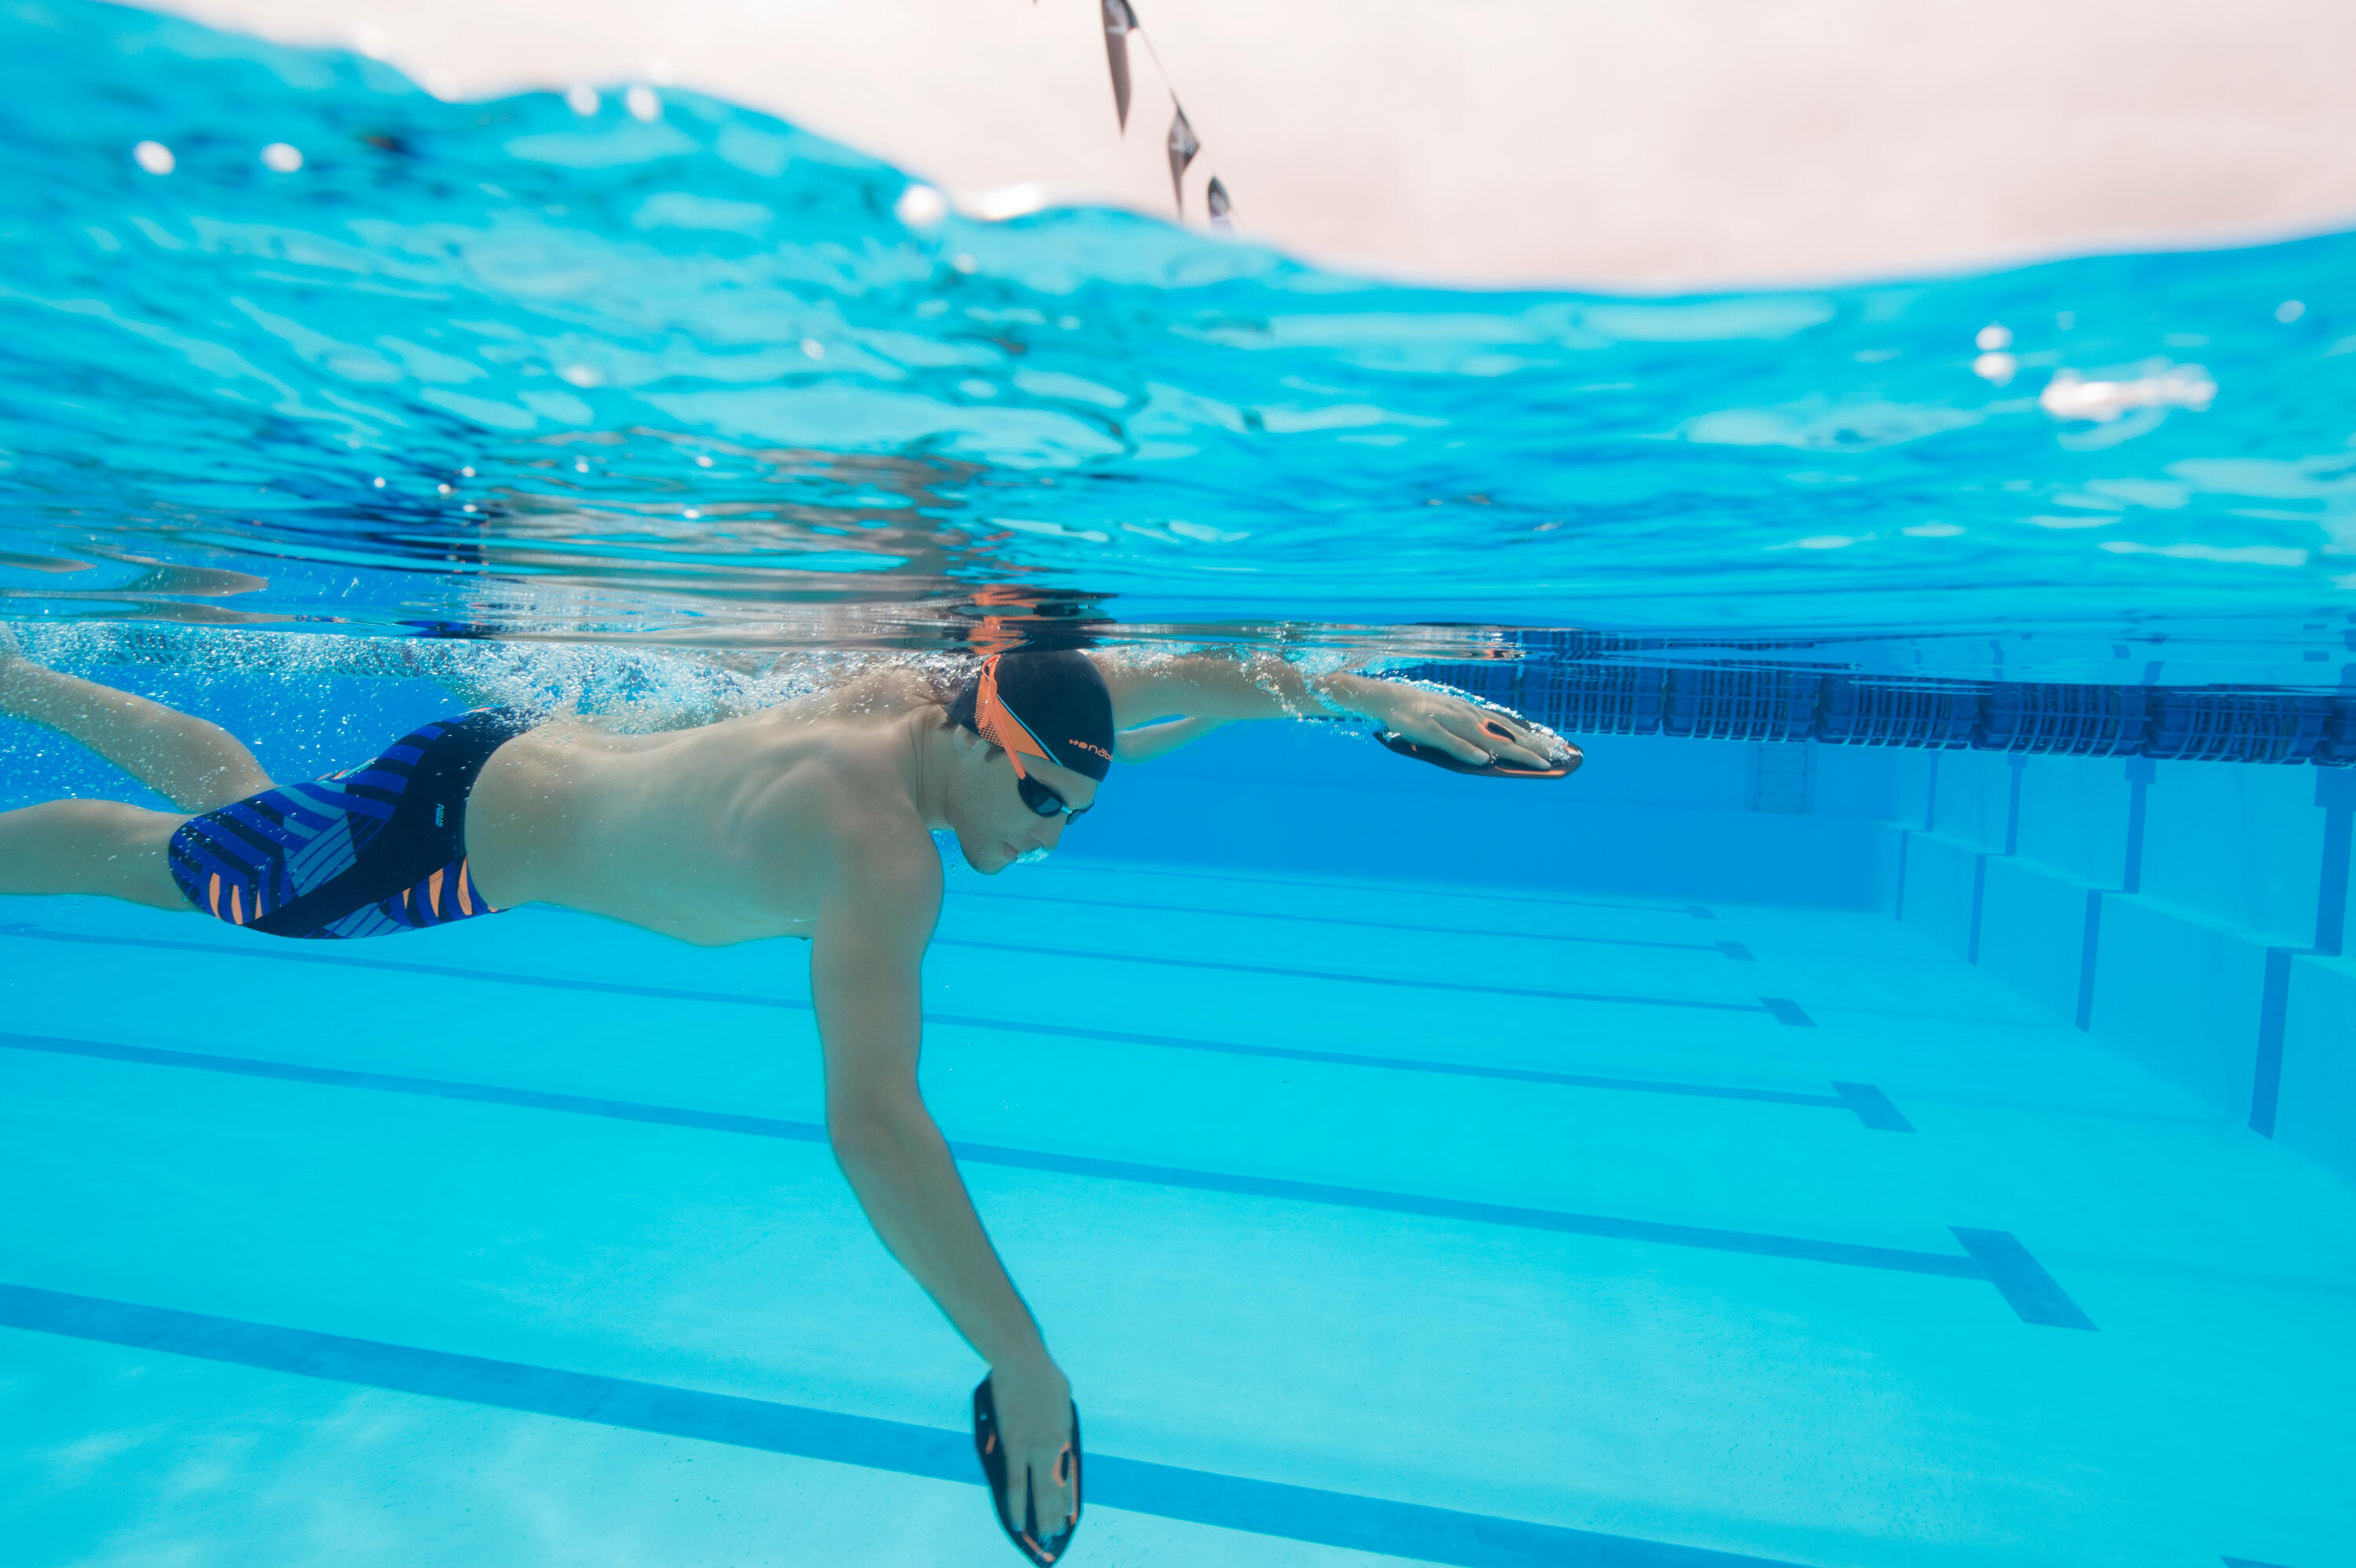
809	819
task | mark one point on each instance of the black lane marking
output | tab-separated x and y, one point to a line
1781	1012
1778	1008
445	971
1876	1113
1993	1257
1425	889
1870	1106
1167	1491
1730	949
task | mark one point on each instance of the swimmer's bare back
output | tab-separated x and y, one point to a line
728	832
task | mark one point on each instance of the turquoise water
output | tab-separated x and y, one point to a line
1748	1152
207	372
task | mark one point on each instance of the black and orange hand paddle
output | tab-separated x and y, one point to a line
1494	768
1038	1547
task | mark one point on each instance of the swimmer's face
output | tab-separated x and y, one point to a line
994	826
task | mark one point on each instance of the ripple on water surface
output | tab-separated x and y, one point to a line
292	343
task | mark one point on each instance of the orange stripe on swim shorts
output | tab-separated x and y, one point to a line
216	895
465	901
433	892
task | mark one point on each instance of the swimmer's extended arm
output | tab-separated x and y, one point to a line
1209	690
864	964
1148	742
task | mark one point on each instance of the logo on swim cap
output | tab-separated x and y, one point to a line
1090	746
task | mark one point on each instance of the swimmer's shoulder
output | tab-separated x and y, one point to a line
890	690
839	783
867	847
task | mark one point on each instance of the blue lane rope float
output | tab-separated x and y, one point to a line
1779	703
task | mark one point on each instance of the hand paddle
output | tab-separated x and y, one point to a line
1494	768
1035	1547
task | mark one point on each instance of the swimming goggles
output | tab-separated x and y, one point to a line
1041	799
999	725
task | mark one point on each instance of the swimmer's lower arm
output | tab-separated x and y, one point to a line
899	1166
1259	686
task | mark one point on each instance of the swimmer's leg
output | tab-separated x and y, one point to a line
195	764
91	846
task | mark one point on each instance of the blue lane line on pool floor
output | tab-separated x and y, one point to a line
1871	1105
1411	890
1780	1009
274	953
1868	1103
1733	950
1991	1257
1167	1491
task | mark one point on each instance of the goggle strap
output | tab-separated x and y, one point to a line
1002	726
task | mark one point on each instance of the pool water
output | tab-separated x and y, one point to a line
1608	1264
508	368
1756	1150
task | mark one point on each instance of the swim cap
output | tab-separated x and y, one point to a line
1030	702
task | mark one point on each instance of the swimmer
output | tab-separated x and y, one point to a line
810	820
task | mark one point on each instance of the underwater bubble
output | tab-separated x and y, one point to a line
155	157
2072	396
582	100
283	157
920	206
1014	201
642	104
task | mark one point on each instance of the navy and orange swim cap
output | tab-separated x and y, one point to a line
1038	703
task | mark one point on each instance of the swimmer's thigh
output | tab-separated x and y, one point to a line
91	846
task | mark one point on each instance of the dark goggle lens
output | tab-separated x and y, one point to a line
1043	800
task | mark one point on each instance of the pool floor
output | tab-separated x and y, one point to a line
1373	1223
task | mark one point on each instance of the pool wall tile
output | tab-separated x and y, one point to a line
2318	1110
2239	843
1973	798
2182	995
1938	894
2032	930
2191	915
2074	818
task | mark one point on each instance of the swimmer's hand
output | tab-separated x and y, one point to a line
1034	1422
1464	729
